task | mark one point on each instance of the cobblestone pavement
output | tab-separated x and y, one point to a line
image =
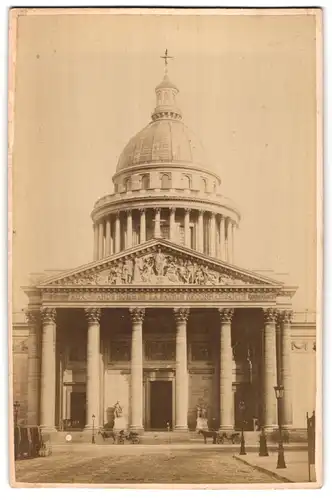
138	465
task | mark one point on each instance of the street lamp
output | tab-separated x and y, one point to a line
16	410
242	407
279	390
93	429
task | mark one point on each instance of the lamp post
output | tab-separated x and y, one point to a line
16	410
93	429
279	390
242	407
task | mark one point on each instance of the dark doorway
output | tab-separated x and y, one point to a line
161	404
77	406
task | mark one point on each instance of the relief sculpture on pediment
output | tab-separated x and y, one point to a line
156	268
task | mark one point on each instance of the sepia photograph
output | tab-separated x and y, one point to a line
165	178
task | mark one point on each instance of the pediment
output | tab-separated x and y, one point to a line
159	263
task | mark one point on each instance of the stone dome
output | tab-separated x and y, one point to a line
163	140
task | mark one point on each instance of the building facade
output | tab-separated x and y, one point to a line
162	320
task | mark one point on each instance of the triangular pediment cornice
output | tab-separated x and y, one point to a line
159	262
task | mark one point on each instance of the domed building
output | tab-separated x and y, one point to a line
162	321
163	188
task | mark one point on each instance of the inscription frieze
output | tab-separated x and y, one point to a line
151	295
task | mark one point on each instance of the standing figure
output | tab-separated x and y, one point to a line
137	270
159	262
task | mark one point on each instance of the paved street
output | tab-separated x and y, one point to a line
138	464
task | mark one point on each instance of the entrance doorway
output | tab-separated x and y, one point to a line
160	404
77	409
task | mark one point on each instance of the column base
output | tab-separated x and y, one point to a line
136	428
270	428
226	428
180	428
90	428
48	429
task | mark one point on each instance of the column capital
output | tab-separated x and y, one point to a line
48	315
201	212
117	214
32	317
181	314
212	215
285	317
142	210
92	315
137	314
157	210
270	315
187	210
128	211
226	315
172	210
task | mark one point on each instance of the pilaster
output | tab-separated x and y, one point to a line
93	367
47	386
269	369
181	376
33	319
137	317
285	318
226	370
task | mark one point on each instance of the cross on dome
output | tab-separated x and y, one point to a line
166	57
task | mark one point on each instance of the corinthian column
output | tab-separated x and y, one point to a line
227	239
226	370
269	368
231	242
95	242
181	375
157	233
286	368
108	249
117	243
213	235
33	318
47	385
186	227
172	223
222	238
129	229
200	232
137	317
101	240
142	236
93	367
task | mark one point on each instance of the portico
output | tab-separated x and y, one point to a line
215	343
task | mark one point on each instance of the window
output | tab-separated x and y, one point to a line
204	185
77	352
145	181
201	351
159	351
165	181
128	184
214	187
120	351
186	182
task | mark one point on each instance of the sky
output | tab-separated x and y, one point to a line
85	85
